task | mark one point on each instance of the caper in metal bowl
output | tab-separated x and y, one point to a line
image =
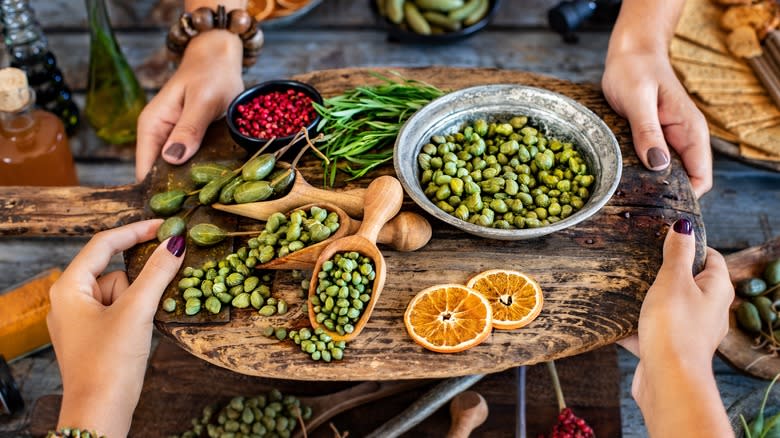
508	162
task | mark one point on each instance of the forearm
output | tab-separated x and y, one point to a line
681	400
645	26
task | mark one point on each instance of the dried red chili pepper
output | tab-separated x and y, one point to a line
276	114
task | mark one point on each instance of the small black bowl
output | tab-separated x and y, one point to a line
396	33
252	144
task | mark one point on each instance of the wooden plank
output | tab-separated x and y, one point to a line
71	14
584	308
173	393
289	52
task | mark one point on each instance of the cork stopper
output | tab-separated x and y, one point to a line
14	90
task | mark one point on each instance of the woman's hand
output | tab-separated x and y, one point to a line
641	86
101	327
207	80
682	321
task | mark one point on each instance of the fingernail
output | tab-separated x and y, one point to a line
175	151
176	245
657	158
683	226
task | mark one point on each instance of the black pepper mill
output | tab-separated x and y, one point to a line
30	52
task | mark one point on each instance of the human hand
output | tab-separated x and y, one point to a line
682	321
101	327
641	86
200	90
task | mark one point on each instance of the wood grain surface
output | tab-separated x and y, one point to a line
177	387
737	348
594	275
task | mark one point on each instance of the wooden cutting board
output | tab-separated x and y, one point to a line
594	275
177	386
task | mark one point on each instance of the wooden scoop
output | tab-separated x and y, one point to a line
383	199
406	232
301	193
468	410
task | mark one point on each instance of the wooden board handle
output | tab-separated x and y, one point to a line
68	211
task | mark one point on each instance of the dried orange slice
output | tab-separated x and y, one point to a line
448	318
261	9
516	298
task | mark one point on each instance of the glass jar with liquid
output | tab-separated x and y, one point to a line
34	148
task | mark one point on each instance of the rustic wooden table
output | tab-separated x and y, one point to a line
740	211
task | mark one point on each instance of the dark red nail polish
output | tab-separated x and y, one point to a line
176	245
176	151
683	226
657	158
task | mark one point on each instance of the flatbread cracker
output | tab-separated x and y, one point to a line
730	116
723	87
749	128
682	50
756	154
733	98
759	16
717	131
743	42
699	24
698	73
767	140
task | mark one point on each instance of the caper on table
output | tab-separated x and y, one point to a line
344	288
759	313
265	415
504	175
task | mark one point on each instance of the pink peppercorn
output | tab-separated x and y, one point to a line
276	114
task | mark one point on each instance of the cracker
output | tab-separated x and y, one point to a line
749	128
698	73
732	98
730	116
743	42
717	131
759	16
682	50
767	140
756	154
699	24
723	87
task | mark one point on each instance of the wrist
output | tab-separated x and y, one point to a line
672	374
104	413
634	42
215	42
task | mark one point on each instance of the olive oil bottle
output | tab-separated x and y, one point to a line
114	97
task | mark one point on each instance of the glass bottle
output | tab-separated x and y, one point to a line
29	51
114	97
34	148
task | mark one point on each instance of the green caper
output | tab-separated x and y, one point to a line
203	173
772	272
192	306
173	226
252	191
765	310
751	287
207	234
169	305
748	317
167	203
213	305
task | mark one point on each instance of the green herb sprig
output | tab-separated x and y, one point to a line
759	427
361	125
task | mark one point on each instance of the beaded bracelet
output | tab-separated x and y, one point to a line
69	432
237	21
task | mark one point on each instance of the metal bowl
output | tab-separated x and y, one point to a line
552	113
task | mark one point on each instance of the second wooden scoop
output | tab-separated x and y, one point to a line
468	410
406	232
383	200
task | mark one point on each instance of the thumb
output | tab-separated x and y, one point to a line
679	250
187	135
649	141
159	270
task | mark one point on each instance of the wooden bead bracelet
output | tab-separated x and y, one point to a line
237	21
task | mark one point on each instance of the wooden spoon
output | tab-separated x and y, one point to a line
383	199
328	406
468	410
406	232
301	193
